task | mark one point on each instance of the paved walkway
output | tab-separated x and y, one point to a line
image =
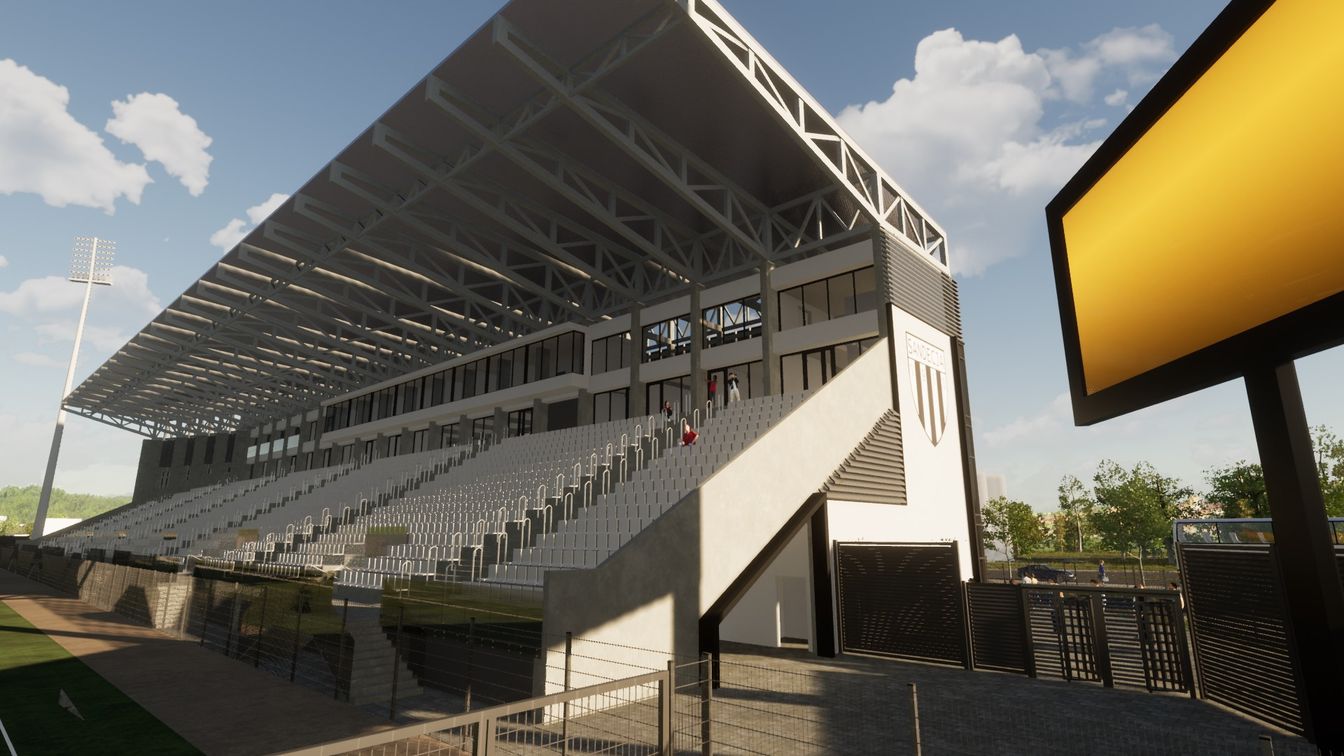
788	700
217	704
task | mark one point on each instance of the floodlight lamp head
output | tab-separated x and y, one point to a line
91	260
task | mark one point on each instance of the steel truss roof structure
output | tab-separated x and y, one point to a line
568	161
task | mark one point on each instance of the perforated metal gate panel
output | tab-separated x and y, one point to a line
901	600
1242	649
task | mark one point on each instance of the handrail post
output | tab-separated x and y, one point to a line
1100	642
471	660
564	707
396	664
666	690
298	625
914	714
261	628
706	704
341	666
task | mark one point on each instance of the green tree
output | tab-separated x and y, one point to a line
1135	508
1238	490
1015	525
1076	507
1330	466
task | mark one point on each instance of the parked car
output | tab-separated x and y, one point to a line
1046	574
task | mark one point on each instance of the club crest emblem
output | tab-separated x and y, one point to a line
928	376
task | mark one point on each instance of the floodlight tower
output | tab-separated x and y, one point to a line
90	264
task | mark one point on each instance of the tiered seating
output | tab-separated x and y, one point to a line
560	500
285	532
496	500
616	517
505	513
197	514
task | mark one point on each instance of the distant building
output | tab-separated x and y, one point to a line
992	487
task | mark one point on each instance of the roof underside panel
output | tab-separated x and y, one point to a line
566	162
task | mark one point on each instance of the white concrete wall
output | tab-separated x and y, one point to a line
779	604
653	591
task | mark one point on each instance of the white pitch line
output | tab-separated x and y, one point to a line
8	743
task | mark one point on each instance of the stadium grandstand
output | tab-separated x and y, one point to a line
469	349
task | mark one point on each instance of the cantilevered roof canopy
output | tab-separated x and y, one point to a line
568	161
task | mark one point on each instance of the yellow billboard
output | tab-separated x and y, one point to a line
1216	209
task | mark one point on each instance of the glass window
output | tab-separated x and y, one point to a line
814	303
618	351
791	373
564	354
865	290
482	377
533	361
467	387
841	292
791	308
599	362
448	436
491	373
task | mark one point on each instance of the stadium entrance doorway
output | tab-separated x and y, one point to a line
901	600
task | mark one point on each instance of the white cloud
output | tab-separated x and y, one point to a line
129	292
228	237
1117	98
50	154
236	229
4	261
1137	52
101	338
164	134
1055	417
35	359
970	134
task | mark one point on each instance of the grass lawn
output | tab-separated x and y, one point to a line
33	671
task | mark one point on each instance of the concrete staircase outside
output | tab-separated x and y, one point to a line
374	659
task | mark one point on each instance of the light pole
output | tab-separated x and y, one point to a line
90	263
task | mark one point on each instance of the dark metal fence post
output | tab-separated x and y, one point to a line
471	659
914	714
1182	641
205	620
298	625
261	628
564	714
396	664
233	623
1100	643
706	704
667	688
1029	644
340	659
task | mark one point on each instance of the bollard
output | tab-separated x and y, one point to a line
914	711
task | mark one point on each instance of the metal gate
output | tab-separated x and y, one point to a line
902	600
1243	653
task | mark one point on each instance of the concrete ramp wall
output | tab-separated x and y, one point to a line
647	599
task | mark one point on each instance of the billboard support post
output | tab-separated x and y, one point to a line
1311	588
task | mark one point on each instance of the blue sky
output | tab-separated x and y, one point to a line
204	111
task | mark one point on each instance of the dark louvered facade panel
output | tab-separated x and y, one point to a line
901	600
875	472
998	630
1242	650
921	289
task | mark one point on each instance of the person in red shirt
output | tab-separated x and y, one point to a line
713	390
688	434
